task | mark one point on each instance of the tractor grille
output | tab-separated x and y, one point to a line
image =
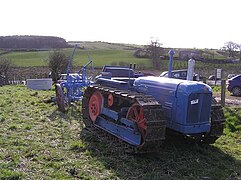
199	105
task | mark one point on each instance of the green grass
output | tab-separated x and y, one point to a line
111	57
99	57
28	58
39	142
233	119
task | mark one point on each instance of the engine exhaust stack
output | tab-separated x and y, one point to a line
171	53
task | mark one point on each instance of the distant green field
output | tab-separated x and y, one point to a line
103	53
99	57
28	58
110	57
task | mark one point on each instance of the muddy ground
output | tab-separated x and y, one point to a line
230	100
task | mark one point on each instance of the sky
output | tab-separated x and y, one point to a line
174	23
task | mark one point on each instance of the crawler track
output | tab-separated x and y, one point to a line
155	123
217	124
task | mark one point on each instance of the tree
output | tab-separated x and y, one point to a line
155	50
230	47
57	62
32	42
5	67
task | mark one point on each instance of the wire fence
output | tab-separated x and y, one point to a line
19	75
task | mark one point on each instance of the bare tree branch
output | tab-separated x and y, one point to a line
230	47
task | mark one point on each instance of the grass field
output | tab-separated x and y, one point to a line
28	58
111	57
101	52
39	142
99	57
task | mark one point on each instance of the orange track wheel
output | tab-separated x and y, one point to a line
136	114
95	105
110	100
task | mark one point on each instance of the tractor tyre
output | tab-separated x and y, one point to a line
236	91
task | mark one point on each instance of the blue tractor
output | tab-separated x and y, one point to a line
139	110
72	89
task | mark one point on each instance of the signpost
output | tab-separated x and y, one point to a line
219	76
218	73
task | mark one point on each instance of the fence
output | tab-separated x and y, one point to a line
19	75
16	79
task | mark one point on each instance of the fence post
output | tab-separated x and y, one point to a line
223	88
205	80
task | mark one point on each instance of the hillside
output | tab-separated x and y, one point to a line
103	53
99	45
100	57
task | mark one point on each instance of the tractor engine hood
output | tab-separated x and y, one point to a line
171	85
186	104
